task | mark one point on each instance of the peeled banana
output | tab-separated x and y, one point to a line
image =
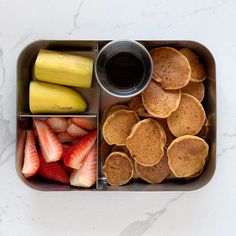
52	98
63	68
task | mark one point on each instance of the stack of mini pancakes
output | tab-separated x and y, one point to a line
161	133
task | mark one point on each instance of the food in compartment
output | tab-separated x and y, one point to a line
170	68
154	174
187	155
85	176
52	171
146	142
204	130
75	156
117	126
52	98
198	72
195	89
31	158
160	102
57	124
55	155
50	146
136	104
168	142
63	68
118	168
188	118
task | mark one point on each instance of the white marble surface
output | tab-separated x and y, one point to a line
208	211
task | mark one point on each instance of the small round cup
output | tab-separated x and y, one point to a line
113	48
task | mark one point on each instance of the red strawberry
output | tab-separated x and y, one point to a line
76	131
65	148
64	137
57	124
50	145
85	122
76	153
35	131
86	175
53	171
31	158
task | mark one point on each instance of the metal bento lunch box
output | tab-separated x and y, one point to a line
97	100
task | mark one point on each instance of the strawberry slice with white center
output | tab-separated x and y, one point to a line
50	145
52	171
86	175
57	124
76	154
64	137
31	158
89	123
76	131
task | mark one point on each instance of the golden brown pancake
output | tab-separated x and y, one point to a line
195	175
120	149
108	110
158	101
118	168
117	126
105	150
154	174
188	118
186	155
198	72
125	150
204	130
170	68
146	142
136	105
195	89
169	136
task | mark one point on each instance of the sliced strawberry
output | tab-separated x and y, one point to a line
64	137
76	153
76	131
31	158
53	171
85	122
57	124
86	175
50	145
65	148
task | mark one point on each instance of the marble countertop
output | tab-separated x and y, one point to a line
207	211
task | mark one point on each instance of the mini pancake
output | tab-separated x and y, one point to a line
108	110
154	174
118	168
160	102
170	68
204	130
198	72
186	155
117	126
136	105
195	89
146	142
125	150
105	150
195	175
188	118
169	136
120	149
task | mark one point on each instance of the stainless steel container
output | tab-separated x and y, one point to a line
97	99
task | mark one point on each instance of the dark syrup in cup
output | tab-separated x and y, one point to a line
124	70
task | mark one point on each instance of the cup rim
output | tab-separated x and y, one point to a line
129	41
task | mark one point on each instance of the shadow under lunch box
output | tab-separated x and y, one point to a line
97	100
